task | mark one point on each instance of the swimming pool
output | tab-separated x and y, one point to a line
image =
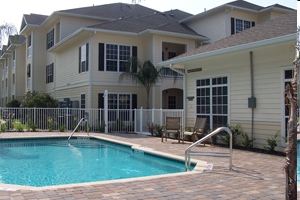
47	162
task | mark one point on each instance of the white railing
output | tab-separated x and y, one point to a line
54	119
29	51
167	72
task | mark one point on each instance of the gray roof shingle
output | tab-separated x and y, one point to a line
35	19
245	4
280	26
111	11
16	40
158	21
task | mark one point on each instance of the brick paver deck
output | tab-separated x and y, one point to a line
255	176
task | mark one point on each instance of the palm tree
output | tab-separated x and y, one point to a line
6	30
144	74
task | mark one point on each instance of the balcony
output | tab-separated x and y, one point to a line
167	72
29	51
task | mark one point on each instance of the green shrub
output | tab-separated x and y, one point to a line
33	127
272	144
62	128
101	126
158	130
246	142
18	126
235	130
3	127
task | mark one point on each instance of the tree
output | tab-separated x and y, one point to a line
144	74
6	30
39	100
291	150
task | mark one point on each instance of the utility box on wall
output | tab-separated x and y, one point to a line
252	102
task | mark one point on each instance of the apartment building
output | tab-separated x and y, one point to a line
77	54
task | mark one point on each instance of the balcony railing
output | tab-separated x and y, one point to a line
167	72
29	51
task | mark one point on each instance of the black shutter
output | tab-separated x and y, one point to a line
134	104
87	57
79	60
134	54
253	24
101	57
232	26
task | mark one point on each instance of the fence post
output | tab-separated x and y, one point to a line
141	120
152	120
106	111
34	115
161	117
135	120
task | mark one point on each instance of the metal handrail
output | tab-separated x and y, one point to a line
187	151
75	128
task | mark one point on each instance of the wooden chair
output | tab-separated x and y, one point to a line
172	126
198	129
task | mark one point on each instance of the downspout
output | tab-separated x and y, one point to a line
252	101
184	91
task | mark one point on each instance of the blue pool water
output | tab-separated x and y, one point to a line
45	162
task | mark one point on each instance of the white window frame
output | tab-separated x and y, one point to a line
50	73
283	80
118	59
210	86
242	24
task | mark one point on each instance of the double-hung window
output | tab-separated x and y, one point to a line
84	58
212	101
50	39
117	57
239	25
49	73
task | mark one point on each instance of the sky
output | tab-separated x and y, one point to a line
13	10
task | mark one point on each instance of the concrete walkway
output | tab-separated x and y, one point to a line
255	176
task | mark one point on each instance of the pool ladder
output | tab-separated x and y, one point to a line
189	153
85	120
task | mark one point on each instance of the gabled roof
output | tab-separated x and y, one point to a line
15	40
110	11
157	22
240	4
32	20
4	51
285	25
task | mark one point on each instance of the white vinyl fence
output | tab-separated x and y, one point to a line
66	119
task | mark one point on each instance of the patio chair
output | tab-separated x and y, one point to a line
198	129
172	126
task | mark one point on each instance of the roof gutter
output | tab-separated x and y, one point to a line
230	49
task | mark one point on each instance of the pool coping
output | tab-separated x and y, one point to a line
199	164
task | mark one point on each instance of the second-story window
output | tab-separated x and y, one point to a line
239	25
84	58
49	73
116	57
50	39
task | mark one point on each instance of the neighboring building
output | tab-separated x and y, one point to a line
220	85
231	18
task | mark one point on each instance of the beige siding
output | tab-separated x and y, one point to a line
212	26
72	93
69	25
268	63
20	72
38	64
66	68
